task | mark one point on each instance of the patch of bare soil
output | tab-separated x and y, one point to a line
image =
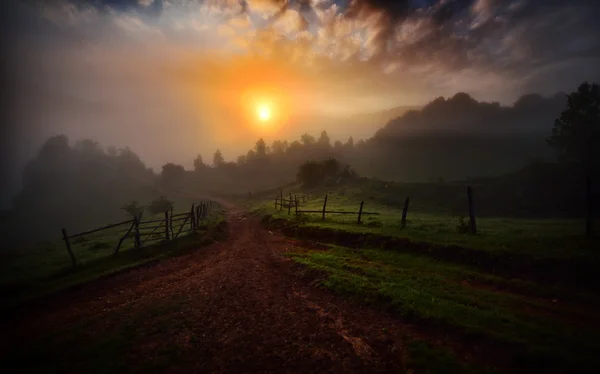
235	306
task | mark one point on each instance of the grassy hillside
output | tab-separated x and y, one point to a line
46	266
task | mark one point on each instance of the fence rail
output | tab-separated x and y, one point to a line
198	212
294	201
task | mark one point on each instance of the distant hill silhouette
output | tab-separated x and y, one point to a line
461	114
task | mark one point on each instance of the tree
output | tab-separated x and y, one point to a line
218	159
324	140
331	167
338	146
198	163
350	143
261	148
172	174
160	205
576	133
310	174
242	160
576	137
278	148
57	145
307	139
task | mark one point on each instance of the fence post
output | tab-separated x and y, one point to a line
280	199
198	215
290	204
405	211
296	203
589	214
167	225
360	211
66	239
192	219
137	231
471	210
171	223
324	206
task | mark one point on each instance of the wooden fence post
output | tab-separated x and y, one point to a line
198	215
193	219
589	214
280	199
296	203
324	206
137	231
290	204
405	211
471	210
171	223
66	239
167	225
360	211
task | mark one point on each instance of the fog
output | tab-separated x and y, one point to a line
165	81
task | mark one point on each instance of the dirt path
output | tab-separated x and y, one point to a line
235	306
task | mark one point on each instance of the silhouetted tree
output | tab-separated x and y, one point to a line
338	146
218	159
55	146
261	148
310	174
576	133
278	148
324	140
331	167
307	139
198	163
576	137
160	205
350	143
242	160
172	174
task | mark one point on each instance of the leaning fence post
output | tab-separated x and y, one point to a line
192	219
360	211
137	231
66	239
405	211
471	210
324	206
171	222
167	224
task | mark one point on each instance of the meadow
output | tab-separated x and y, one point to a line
525	286
46	266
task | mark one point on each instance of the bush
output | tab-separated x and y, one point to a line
160	205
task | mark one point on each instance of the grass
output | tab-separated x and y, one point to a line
453	298
46	267
543	238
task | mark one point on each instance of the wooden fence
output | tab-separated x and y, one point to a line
168	228
294	201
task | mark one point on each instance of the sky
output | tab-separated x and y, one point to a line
174	78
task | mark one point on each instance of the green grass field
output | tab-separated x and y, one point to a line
541	325
46	267
553	330
553	238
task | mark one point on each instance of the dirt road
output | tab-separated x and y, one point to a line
236	306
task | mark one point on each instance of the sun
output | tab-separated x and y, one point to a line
264	112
